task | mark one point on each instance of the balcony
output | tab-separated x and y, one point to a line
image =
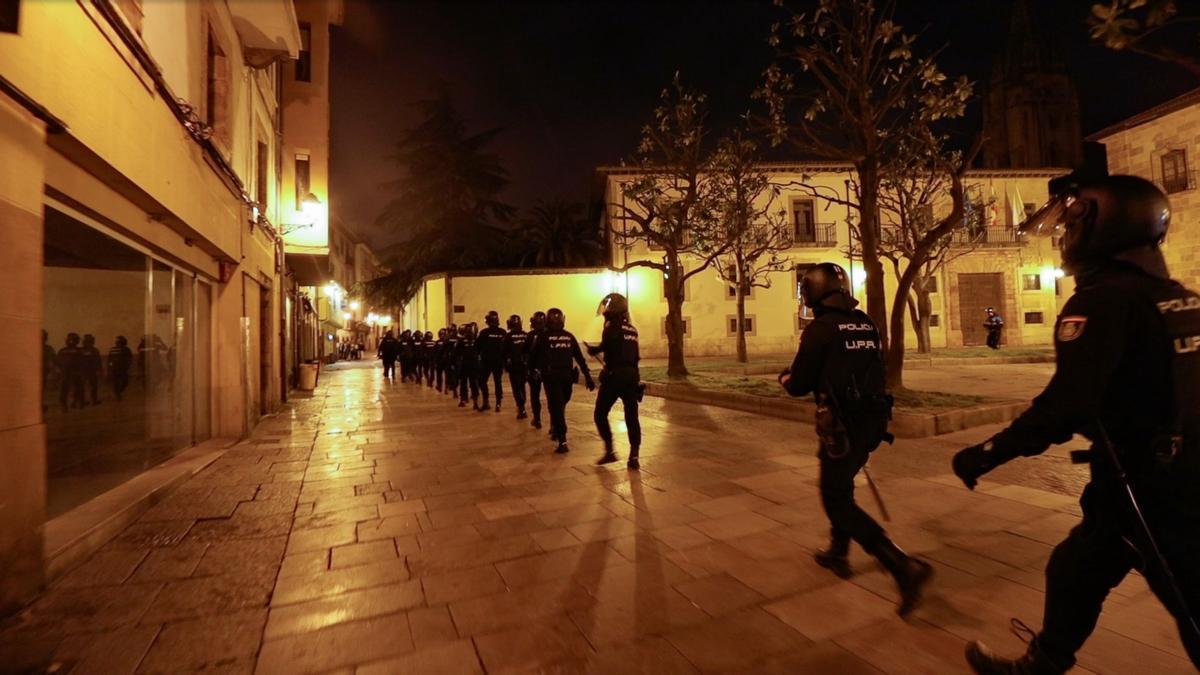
987	237
817	235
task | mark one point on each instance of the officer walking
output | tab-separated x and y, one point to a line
120	360
90	364
389	350
516	356
492	341
993	324
537	331
468	367
439	359
619	379
450	355
555	351
406	355
1127	377
840	360
70	360
429	362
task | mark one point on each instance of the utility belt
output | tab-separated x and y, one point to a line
1163	450
870	423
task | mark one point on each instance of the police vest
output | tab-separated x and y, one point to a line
1176	466
560	351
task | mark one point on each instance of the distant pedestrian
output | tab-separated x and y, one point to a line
120	360
993	324
389	351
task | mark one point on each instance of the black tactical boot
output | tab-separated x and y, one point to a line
1033	662
562	448
497	405
462	402
609	456
521	414
537	422
834	558
633	464
910	573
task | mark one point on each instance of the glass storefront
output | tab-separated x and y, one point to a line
126	361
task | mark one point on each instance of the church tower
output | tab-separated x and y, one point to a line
1030	111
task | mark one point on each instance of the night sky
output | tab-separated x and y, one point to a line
571	83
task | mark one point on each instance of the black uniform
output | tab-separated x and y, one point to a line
389	350
439	362
516	356
120	360
70	362
407	356
842	347
491	341
467	361
450	362
429	362
535	373
1127	367
993	324
619	380
555	353
91	364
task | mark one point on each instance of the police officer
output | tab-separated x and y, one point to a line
619	379
555	352
429	363
406	355
418	358
468	367
70	362
840	360
993	324
439	359
389	350
450	354
492	341
537	330
120	360
516	358
1128	378
90	365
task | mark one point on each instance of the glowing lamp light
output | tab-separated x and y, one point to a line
346	316
858	278
1059	273
385	321
310	207
354	305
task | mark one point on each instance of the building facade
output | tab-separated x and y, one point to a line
989	267
142	199
1161	145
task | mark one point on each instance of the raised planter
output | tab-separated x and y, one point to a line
905	424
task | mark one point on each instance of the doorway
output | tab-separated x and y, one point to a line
977	292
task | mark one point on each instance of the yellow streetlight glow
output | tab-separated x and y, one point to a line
354	305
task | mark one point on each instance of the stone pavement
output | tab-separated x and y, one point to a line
375	528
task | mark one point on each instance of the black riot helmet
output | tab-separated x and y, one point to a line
428	335
822	281
614	306
441	333
462	330
514	322
555	319
1100	218
472	329
537	321
492	319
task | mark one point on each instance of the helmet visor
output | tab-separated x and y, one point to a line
1048	221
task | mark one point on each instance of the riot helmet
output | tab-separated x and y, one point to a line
462	330
72	339
121	341
441	333
514	322
389	336
89	340
614	306
428	335
537	321
822	281
492	319
555	319
1100	218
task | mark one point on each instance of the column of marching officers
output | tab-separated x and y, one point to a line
468	364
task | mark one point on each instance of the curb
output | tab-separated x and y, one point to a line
73	536
904	424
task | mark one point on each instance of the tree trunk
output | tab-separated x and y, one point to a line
741	324
868	175
895	349
914	316
676	368
924	311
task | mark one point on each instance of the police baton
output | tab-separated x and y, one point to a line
887	517
1158	557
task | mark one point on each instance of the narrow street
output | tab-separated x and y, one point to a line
378	528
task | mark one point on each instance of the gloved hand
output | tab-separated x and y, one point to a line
784	378
589	382
971	463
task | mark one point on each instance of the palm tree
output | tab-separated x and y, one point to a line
558	234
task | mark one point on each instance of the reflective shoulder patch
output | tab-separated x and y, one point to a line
1071	327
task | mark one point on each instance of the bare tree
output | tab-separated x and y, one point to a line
846	87
669	206
920	173
755	234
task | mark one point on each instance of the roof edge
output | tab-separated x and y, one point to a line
1161	110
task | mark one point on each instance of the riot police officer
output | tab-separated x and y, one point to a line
450	354
91	364
406	355
516	358
439	359
491	341
1127	377
418	356
70	362
389	350
537	329
429	361
840	361
619	379
467	361
993	324
555	353
120	360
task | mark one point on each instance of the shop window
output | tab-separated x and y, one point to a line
1034	318
1174	171
935	320
302	180
10	16
216	91
126	357
304	60
731	325
1031	282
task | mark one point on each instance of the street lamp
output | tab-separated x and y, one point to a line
354	305
310	211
